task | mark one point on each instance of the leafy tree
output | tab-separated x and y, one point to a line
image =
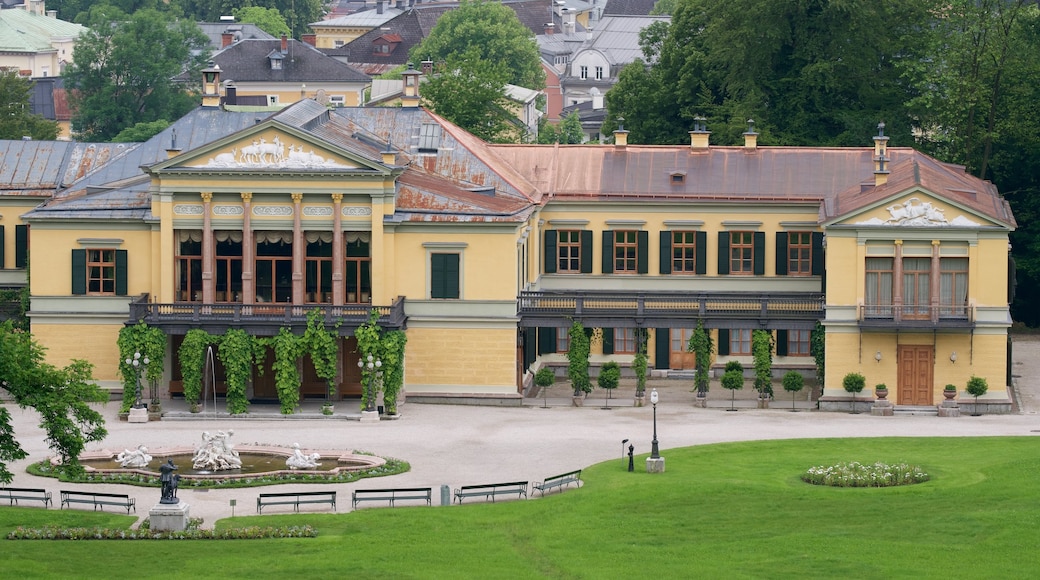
567	131
141	132
493	33
123	69
793	382
267	19
762	350
733	380
702	347
853	384
470	92
60	396
578	357
977	386
298	14
609	376
16	117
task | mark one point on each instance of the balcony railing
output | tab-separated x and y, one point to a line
916	316
554	308
263	319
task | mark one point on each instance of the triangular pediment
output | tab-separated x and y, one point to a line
271	147
917	207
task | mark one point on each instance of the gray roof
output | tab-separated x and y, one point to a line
240	30
40	168
247	61
629	7
617	37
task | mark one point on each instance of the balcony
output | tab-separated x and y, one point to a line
907	316
650	310
260	319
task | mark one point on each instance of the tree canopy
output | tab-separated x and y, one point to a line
470	92
267	19
123	71
59	395
16	117
567	131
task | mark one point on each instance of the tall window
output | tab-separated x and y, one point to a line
684	252
741	253
569	250
274	267
358	274
599	73
229	267
584	72
101	271
189	269
624	341
799	253
740	341
626	250
953	286
563	339
798	342
318	271
917	274
444	276
878	293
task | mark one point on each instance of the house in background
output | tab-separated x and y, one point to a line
34	42
340	30
50	100
223	34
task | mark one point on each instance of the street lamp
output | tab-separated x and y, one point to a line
138	364
654	453
373	365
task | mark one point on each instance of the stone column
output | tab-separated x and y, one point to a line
897	282
248	251
338	250
934	280
299	250
209	251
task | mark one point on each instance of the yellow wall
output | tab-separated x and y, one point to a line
458	360
92	342
326	36
51	262
484	275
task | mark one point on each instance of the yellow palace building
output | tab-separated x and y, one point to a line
484	255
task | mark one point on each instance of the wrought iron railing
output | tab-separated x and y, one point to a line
916	315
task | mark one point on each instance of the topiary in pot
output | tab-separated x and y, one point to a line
853	383
734	381
609	377
793	382
977	386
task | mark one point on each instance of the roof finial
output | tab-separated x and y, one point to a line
881	129
621	123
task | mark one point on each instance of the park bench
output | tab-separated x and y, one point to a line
491	490
295	499
392	495
98	499
13	494
562	480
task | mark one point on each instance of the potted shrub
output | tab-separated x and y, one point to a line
950	392
881	391
327	409
609	377
977	386
853	384
543	379
733	379
793	382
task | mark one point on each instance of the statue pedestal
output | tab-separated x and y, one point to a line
882	408
138	415
655	465
169	517
369	416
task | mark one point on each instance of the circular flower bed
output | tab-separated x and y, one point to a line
855	474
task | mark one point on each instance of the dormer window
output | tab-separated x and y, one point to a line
678	178
429	137
275	58
385	44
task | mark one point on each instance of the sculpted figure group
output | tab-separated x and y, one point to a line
217	452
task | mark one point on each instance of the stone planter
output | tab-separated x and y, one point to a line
578	401
881	394
949	395
701	401
640	401
763	401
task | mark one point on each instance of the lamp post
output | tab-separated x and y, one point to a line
138	364
373	366
654	453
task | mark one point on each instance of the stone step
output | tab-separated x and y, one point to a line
916	410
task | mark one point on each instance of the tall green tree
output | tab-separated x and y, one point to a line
59	395
494	32
123	69
568	131
16	117
470	92
298	14
267	19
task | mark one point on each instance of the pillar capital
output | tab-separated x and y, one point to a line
337	197
297	197
207	196
247	196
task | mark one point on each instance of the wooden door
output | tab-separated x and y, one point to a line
263	384
350	386
915	374
678	357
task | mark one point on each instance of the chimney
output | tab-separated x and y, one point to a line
410	91
699	135
620	135
597	99
750	137
379	7
880	156
226	39
285	44
211	86
568	21
230	93
311	39
389	157
173	150
426	67
550	28
52	14
559	6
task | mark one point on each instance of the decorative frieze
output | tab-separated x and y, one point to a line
317	211
353	210
187	209
227	210
272	210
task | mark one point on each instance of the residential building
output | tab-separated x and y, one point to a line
342	29
34	42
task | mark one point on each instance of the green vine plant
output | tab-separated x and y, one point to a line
762	350
288	348
702	347
323	346
817	348
151	343
192	357
639	362
236	354
369	341
393	368
578	357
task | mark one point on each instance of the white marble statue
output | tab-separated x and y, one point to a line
301	460
132	458
217	452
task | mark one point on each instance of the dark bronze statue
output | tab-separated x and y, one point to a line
169	482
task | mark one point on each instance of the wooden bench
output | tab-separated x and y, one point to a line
491	490
13	494
562	480
295	499
98	499
391	495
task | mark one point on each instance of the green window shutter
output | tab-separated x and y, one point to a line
723	252
723	342
702	253
608	341
760	253
662	349
586	251
530	346
781	253
817	253
666	252
120	272
608	251
550	251
546	340
2	247
21	246
781	343
642	252
79	271
444	276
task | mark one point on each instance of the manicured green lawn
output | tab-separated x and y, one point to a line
720	511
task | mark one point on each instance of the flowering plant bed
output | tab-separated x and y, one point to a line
855	474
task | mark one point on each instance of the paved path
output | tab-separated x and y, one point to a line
460	445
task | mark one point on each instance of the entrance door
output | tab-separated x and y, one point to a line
351	385
915	375
263	384
678	357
